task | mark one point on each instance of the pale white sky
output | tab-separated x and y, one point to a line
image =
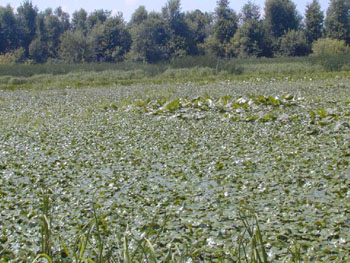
127	7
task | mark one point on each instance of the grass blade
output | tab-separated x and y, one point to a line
49	260
153	253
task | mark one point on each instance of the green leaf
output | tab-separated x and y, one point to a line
173	105
49	260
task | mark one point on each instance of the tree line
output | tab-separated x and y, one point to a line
38	36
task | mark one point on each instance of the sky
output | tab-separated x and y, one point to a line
127	7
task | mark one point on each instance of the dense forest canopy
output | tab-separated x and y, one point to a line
30	35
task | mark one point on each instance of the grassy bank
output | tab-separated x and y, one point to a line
201	70
201	76
287	65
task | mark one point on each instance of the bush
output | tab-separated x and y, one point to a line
17	81
294	43
331	54
38	51
7	59
205	72
19	55
5	79
327	46
75	47
233	68
333	62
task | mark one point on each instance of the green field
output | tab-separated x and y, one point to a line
124	166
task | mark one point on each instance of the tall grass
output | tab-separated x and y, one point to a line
232	66
22	70
251	244
333	62
201	70
90	246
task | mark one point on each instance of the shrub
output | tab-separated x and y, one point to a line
175	73
331	54
327	46
19	55
232	67
7	59
75	47
294	43
17	81
333	62
38	51
205	72
5	79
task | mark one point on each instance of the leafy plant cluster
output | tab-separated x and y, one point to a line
235	109
32	36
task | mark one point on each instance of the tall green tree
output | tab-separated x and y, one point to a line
251	38
314	21
250	11
54	30
224	28
199	24
2	39
180	42
38	50
151	39
40	27
50	25
294	43
137	20
111	40
26	17
79	21
337	21
97	17
138	17
63	17
226	22
8	30
281	16
75	47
